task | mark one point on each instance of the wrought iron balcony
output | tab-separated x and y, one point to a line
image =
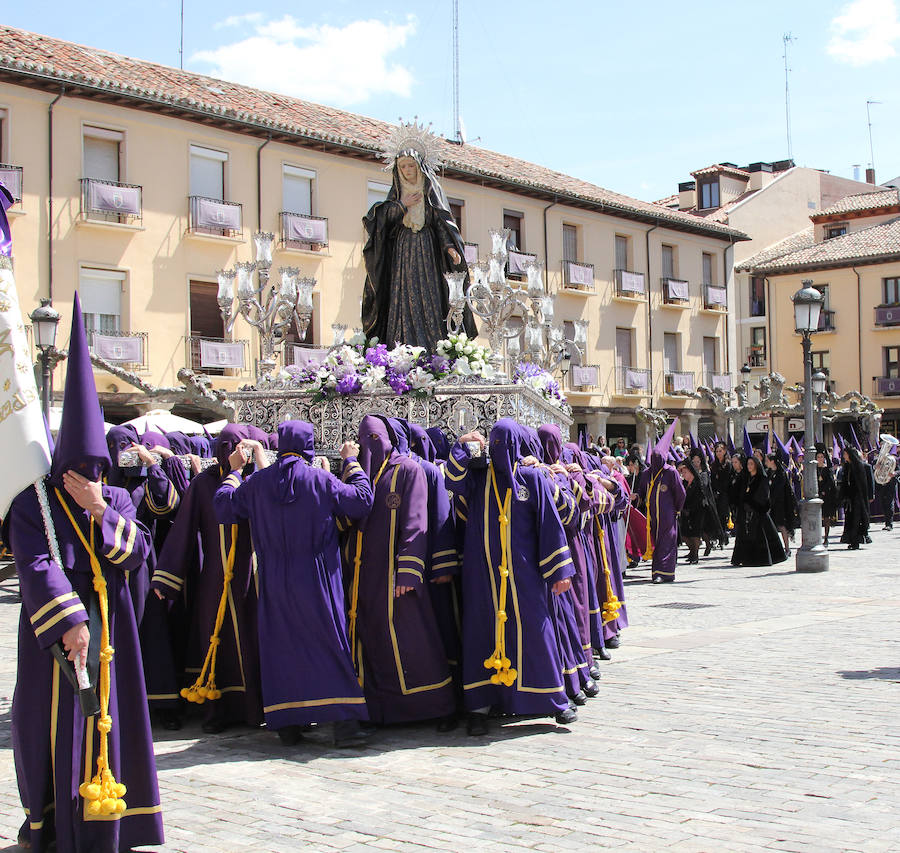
756	356
675	291
826	321
577	275
214	217
302	231
516	263
217	356
887	386
679	382
718	381
887	315
632	381
629	284
111	201
125	349
715	297
11	178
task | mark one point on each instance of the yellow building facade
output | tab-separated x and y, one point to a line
139	182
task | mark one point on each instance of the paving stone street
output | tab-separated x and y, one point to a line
747	709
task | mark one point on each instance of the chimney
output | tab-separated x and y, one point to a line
870	176
856	167
687	195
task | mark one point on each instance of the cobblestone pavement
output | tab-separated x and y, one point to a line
747	709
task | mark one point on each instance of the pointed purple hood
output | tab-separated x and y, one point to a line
421	443
551	442
81	440
662	447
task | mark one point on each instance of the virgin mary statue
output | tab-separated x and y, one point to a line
412	241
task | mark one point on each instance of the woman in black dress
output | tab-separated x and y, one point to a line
720	480
854	495
693	511
756	540
781	496
827	489
712	529
633	468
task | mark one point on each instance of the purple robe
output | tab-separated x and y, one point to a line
306	665
55	749
538	557
663	493
607	521
192	564
398	651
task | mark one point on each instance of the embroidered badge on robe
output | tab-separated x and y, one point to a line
393	500
522	494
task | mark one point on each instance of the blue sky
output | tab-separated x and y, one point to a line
630	96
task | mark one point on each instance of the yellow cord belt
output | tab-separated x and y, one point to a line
610	611
103	794
498	660
354	587
205	686
648	552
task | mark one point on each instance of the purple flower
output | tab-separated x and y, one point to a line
438	364
398	382
378	355
349	384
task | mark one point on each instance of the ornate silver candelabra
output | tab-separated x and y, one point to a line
270	310
493	299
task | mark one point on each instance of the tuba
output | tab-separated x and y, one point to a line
885	463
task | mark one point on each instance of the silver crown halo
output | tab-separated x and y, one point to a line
411	136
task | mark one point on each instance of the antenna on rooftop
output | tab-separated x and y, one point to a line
458	135
181	42
786	38
871	149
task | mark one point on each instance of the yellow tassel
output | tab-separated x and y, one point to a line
498	660
648	552
102	792
610	609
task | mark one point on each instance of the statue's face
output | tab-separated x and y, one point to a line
409	169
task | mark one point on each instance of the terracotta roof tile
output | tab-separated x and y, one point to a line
861	202
867	244
40	59
716	168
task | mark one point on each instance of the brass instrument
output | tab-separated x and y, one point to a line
885	463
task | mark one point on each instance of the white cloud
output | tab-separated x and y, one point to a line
333	65
239	20
865	31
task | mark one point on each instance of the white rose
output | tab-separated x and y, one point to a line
468	349
461	367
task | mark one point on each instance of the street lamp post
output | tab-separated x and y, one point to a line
44	322
818	386
812	556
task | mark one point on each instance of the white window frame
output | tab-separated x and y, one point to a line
207	153
290	170
108	274
107	134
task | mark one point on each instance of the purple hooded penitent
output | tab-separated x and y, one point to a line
421	443
306	665
441	443
50	747
399	654
6	201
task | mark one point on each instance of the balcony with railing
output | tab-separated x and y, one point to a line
304	232
213	217
630	285
516	263
887	315
826	321
217	356
111	201
756	356
715	297
294	354
632	381
11	178
679	382
128	350
718	381
676	292
577	275
887	386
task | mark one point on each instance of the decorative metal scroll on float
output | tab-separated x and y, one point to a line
459	388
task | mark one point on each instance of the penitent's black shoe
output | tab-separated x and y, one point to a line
602	654
579	698
290	735
349	733
612	642
477	725
591	689
594	672
564	718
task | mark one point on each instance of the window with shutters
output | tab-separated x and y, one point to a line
671	354
892	362
297	189
205	321
710	356
102	153
208	172
668	261
513	220
100	292
832	231
456	210
376	192
757	296
622	247
624	347
756	357
891	291
570	242
708	268
708	194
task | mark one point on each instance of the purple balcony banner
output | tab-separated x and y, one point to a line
682	382
305	229
721	382
109	198
887	385
518	261
632	282
581	275
585	376
470	250
221	354
114	348
635	379
716	295
677	289
217	214
883	316
12	180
